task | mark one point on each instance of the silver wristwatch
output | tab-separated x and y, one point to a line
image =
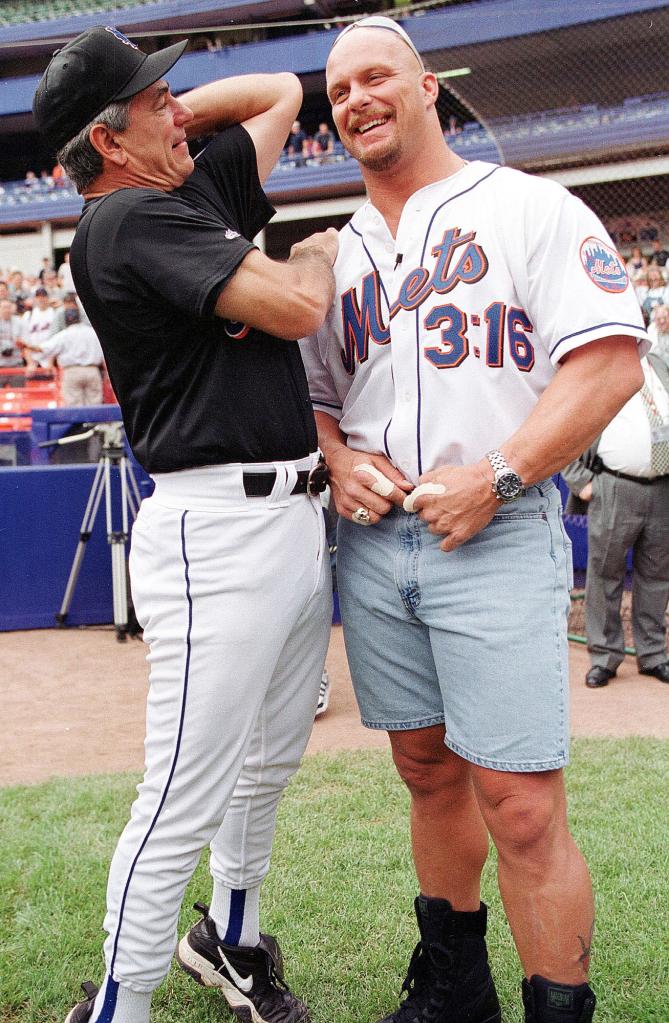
507	485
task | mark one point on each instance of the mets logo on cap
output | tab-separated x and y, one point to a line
121	38
603	265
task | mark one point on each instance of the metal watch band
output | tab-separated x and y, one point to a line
498	461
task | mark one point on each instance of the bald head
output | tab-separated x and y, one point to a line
384	25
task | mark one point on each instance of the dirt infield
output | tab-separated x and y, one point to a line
73	703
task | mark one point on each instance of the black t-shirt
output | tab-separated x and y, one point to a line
149	266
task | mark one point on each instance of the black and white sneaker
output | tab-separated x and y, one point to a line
251	979
81	1013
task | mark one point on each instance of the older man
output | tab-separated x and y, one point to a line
229	568
450	382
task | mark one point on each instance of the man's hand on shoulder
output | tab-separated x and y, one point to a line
288	300
324	242
465	507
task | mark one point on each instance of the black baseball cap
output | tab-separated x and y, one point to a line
98	67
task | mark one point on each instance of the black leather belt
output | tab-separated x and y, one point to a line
309	481
645	481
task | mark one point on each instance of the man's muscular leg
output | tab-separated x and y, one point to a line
449	837
543	878
448	977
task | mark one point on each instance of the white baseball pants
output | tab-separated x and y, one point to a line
234	595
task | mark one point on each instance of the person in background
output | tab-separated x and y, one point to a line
658	332
77	352
295	147
324	143
70	301
656	294
622	483
11	335
636	263
65	274
658	254
46	265
54	288
19	292
37	327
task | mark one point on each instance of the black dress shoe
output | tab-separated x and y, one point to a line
598	677
660	671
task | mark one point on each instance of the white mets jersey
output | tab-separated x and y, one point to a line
440	341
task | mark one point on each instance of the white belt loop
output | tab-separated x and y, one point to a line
286	478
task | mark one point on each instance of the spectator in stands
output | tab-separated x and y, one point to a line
658	255
295	147
46	181
324	143
453	126
658	332
4	290
18	291
70	301
31	181
640	285
657	293
77	351
636	264
623	478
36	326
59	176
46	265
10	335
65	274
52	284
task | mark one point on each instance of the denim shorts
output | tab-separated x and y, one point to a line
475	638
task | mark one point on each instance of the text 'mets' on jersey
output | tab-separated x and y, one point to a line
440	342
149	266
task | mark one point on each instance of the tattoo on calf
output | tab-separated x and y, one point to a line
586	946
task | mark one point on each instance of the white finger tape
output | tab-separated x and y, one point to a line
422	488
381	485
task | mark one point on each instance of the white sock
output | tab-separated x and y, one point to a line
117	1004
236	913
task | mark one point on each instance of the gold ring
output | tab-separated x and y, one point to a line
361	516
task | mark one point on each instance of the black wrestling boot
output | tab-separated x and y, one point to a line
548	1002
448	980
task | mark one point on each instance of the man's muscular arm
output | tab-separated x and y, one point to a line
288	300
352	489
266	105
591	386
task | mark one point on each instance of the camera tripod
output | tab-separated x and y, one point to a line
112	454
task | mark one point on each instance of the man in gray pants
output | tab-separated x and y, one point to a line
622	482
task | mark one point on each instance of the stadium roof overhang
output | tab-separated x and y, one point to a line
521	55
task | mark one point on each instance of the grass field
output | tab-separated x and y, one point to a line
340	890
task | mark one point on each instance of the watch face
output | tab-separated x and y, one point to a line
509	486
